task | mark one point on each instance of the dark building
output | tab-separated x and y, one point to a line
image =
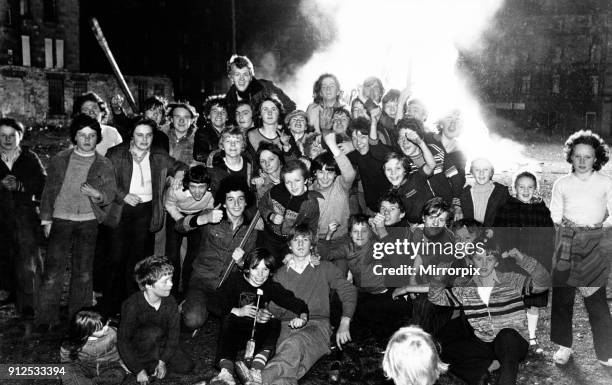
548	65
40	63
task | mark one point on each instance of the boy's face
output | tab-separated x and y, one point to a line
390	108
161	287
525	188
360	142
240	77
143	137
391	212
218	116
300	246
464	235
9	138
486	262
232	145
326	176
269	162
92	109
297	125
86	139
259	274
235	203
395	171
197	190
181	119
295	183
244	117
329	89
482	171
340	123
434	224
360	234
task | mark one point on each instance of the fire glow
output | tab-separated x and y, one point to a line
408	42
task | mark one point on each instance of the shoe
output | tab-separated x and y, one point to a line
223	378
242	372
334	372
534	345
562	356
256	376
607	363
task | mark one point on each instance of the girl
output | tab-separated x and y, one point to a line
578	209
240	307
326	94
413	187
271	115
528	227
230	159
271	160
90	350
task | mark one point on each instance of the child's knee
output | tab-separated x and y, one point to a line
194	317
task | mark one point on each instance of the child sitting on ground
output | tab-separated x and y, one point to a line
150	324
90	350
411	358
241	306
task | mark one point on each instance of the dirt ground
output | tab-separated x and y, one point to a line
361	361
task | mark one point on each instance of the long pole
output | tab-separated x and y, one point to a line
97	31
233	27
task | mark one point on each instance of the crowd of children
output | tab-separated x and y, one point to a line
271	219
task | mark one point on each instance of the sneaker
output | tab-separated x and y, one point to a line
256	376
607	363
242	372
562	356
534	345
223	378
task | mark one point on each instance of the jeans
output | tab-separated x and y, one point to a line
74	243
147	347
599	318
236	331
173	253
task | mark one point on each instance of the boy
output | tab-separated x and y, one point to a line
287	205
224	230
334	176
239	308
482	200
208	135
230	158
148	337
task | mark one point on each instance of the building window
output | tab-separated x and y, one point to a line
595	85
525	84
25	51
48	53
50	10
54	53
556	84
9	15
80	87
24	8
56	95
59	53
589	120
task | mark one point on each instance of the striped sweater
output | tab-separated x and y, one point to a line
505	308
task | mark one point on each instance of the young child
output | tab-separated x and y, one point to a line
287	205
524	222
148	337
90	350
578	209
230	158
411	358
239	309
493	305
482	200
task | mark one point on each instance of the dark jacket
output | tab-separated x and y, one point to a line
498	198
30	175
218	243
124	125
257	91
162	165
205	141
218	170
101	176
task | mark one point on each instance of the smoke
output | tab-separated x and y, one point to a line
413	43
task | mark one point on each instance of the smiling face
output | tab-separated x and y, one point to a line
269	162
325	177
340	123
390	108
259	274
86	140
409	148
300	246
143	137
487	263
583	159
92	109
525	188
161	288
181	119
235	203
297	125
197	190
269	112
218	117
359	110
434	224
244	116
9	138
295	182
482	170
241	77
395	171
391	212
360	234
360	142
